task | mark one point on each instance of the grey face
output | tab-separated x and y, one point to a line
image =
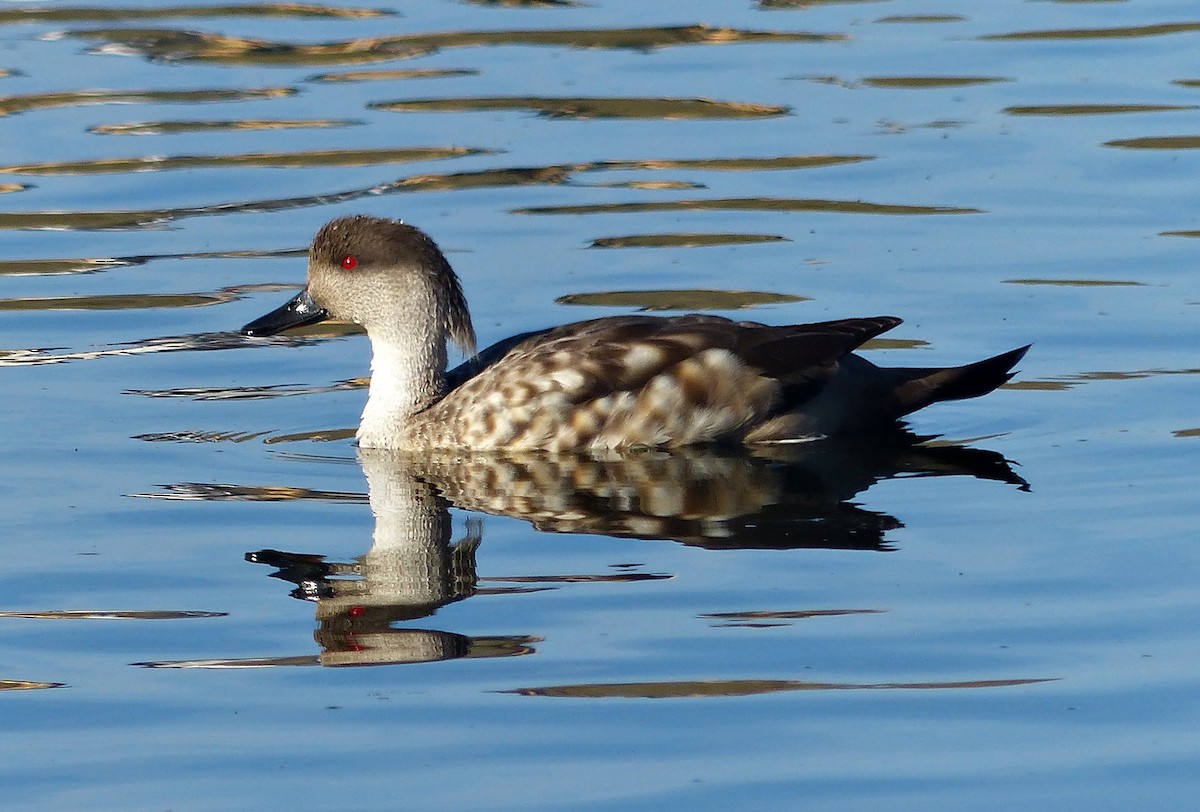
381	274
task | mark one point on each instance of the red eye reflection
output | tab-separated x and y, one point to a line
350	263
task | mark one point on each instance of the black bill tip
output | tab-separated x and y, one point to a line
301	310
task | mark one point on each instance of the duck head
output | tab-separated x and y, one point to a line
384	275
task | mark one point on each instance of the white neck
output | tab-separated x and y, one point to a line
408	373
410	560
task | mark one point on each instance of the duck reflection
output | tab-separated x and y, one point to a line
785	497
776	497
411	571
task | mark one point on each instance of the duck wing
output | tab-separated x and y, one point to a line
803	357
629	350
645	380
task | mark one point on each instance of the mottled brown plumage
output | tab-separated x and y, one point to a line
607	383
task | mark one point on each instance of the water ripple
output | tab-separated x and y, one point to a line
684	689
580	108
683	240
1117	32
750	204
234	125
554	174
310	158
683	300
40	101
41	14
174	45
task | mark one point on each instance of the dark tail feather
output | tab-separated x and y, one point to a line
926	386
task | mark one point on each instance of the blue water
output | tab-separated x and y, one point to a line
977	644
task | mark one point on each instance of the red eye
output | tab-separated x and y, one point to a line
350	263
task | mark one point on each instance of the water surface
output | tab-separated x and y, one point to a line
208	593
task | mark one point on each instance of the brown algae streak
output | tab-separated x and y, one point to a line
202	393
392	75
613	38
489	178
56	267
927	82
686	240
527	3
132	301
42	14
27	685
738	164
922	18
557	174
174	45
233	125
776	619
1092	109
679	299
313	158
1079	283
113	614
632	107
200	436
1121	32
745	687
751	204
218	492
41	101
1157	142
